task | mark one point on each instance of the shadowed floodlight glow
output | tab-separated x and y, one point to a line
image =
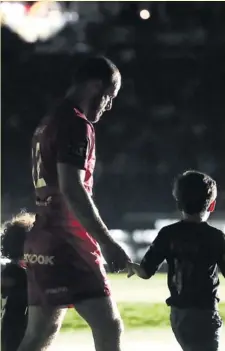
43	20
144	14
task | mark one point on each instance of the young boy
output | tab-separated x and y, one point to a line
193	250
14	282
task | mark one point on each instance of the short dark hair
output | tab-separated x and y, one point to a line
98	67
194	192
14	233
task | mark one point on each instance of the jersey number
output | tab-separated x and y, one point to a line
38	181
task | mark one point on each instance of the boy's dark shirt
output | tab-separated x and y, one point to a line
193	251
15	296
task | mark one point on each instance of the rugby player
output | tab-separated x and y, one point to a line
64	262
193	250
14	281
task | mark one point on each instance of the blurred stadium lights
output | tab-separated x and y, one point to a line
140	253
144	236
39	21
145	14
128	249
119	234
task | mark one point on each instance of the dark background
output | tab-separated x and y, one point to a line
169	115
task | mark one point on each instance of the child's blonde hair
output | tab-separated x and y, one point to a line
14	234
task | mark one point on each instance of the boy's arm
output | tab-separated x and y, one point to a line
155	255
221	260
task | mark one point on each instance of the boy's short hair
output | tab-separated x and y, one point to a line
13	235
194	192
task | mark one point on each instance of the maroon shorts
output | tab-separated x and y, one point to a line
63	268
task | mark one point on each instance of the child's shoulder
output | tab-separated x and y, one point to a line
12	270
168	231
215	231
171	227
205	227
181	226
13	277
6	267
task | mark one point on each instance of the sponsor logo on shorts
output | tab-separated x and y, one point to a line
39	259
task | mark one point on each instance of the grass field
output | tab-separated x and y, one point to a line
145	315
141	303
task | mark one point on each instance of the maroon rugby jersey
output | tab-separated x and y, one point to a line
66	137
76	268
62	268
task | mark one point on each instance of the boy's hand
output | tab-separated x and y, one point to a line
130	270
135	268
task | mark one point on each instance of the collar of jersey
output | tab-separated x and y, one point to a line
80	114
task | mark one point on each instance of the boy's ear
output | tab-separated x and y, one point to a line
212	206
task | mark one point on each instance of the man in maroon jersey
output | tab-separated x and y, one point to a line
63	257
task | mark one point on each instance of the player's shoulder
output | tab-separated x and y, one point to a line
61	119
67	117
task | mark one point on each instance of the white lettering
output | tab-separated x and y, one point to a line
39	259
33	258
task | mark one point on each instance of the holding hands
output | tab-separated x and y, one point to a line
135	269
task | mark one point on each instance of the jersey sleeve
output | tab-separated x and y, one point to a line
72	143
156	254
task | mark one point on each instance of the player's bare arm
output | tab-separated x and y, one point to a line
81	203
82	206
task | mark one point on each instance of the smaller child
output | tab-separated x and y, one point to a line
14	281
193	250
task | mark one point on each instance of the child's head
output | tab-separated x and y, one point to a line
195	193
14	234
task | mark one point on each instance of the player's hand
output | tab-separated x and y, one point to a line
115	257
